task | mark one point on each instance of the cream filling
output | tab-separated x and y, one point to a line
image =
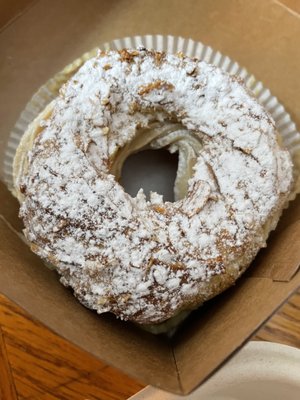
172	136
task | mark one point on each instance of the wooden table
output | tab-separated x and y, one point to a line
36	364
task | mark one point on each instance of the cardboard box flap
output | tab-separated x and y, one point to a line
211	338
280	260
25	279
256	296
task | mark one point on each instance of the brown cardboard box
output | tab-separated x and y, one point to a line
41	39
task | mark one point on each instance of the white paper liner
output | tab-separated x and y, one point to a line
285	126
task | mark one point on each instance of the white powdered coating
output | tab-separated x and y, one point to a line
146	260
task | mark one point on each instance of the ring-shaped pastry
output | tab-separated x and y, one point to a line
145	259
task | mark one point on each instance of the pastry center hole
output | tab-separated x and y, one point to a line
152	170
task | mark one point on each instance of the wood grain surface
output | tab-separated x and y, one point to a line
36	364
7	388
284	327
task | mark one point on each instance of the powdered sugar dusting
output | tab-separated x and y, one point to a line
146	260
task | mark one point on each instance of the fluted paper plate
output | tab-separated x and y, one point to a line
285	126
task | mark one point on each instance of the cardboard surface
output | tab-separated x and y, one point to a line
263	37
12	10
281	261
225	326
